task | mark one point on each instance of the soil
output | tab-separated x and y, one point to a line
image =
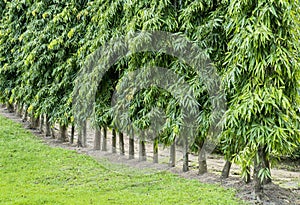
285	188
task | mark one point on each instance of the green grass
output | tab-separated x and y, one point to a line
33	173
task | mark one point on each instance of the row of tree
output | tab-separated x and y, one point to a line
253	46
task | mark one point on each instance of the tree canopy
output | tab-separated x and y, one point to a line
252	45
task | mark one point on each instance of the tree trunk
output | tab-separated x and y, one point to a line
48	127
72	134
84	133
185	166
97	140
41	124
114	141
52	133
19	109
24	119
155	150
34	122
10	107
172	155
131	147
79	139
142	150
261	162
258	189
202	161
247	178
226	169
121	143
104	139
63	133
266	163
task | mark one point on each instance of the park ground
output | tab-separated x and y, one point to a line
32	172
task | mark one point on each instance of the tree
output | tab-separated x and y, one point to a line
261	77
12	25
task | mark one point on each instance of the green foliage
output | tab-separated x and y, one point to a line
254	46
261	78
12	25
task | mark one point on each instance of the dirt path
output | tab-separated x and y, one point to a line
287	193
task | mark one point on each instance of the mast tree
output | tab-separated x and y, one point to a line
262	77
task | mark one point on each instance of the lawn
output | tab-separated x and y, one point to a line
34	173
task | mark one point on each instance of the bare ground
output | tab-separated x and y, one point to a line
285	188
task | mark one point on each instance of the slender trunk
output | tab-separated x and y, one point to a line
155	150
172	155
63	133
10	107
34	122
104	139
72	134
79	139
48	127
17	105
41	124
258	189
84	133
97	140
131	147
37	122
142	150
261	162
24	119
202	161
114	141
121	143
185	166
19	109
52	133
266	162
226	169
247	178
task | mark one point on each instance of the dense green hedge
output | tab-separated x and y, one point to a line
254	45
